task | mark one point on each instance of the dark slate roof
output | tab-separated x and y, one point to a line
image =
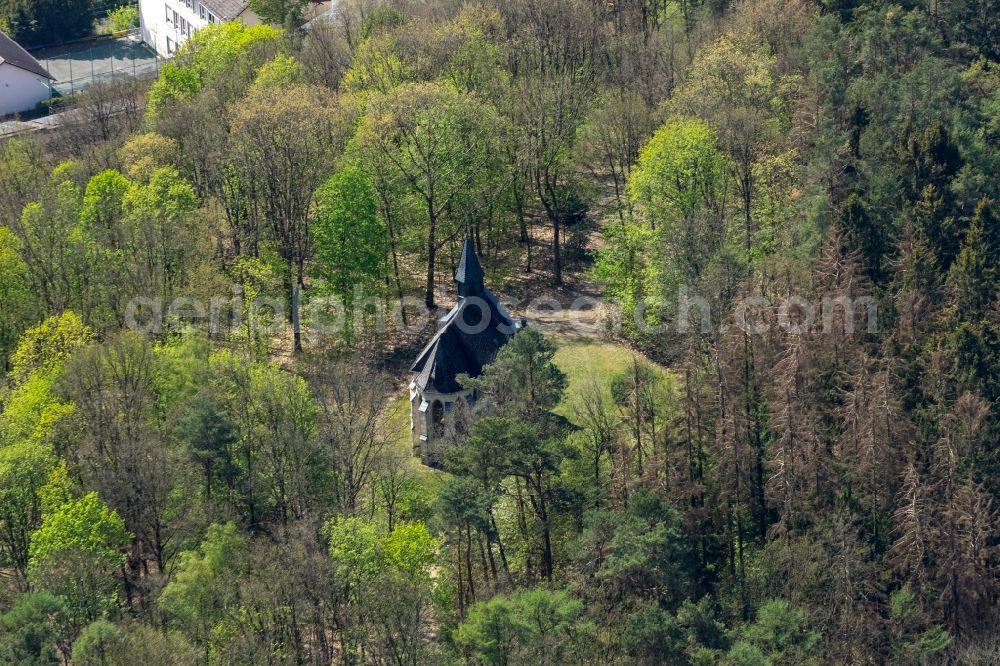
465	343
13	54
469	270
461	347
226	10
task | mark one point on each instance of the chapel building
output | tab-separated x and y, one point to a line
469	338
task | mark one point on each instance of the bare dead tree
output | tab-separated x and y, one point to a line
600	424
355	431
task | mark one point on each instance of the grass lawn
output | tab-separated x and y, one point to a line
585	361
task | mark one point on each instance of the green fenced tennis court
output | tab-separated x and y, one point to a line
76	67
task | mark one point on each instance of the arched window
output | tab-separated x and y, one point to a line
437	414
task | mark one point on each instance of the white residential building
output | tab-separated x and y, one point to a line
166	24
23	81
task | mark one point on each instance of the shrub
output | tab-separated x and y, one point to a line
124	18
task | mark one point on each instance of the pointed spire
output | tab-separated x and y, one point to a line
470	274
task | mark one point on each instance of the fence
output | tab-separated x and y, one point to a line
77	67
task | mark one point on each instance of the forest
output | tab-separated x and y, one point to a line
198	468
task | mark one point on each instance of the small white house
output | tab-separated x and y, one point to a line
23	81
166	24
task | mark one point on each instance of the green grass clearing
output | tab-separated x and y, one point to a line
598	361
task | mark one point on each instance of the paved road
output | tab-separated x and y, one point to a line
11	128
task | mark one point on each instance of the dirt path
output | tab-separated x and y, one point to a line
569	313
